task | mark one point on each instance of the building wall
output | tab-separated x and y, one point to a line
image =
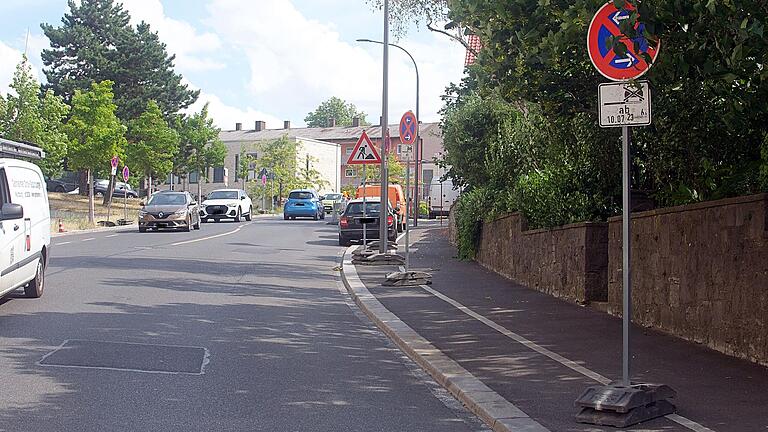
325	157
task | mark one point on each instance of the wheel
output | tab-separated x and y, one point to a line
204	220
60	189
142	229
322	216
34	288
197	225
285	216
248	216
98	194
238	217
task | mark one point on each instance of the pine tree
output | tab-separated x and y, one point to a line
96	42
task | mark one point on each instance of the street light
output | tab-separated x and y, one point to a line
417	155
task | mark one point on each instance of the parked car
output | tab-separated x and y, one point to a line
331	201
100	188
303	203
25	237
168	209
353	221
67	182
396	198
227	204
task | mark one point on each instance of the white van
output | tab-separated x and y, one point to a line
25	227
441	197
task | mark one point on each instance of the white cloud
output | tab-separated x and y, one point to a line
225	116
296	62
9	59
189	45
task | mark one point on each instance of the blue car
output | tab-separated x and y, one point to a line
303	203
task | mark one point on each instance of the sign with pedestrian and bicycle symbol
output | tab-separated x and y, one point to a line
364	152
605	25
624	104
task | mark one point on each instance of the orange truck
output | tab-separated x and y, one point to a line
396	198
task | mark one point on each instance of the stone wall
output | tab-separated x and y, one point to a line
569	262
699	272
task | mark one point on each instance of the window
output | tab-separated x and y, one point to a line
231	195
194	177
218	175
349	172
349	151
300	195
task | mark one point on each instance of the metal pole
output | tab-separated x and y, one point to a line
383	238
272	194
365	226
441	203
125	207
407	204
626	250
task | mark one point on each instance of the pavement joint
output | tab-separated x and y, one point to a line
497	413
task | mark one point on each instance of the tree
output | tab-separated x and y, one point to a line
335	108
95	133
200	137
152	144
34	117
96	42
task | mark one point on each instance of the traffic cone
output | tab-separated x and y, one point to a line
61	227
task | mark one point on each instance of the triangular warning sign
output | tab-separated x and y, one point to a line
364	152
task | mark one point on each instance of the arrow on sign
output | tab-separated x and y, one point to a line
629	60
618	17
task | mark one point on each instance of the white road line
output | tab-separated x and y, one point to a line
62	243
210	237
88	239
113	235
690	424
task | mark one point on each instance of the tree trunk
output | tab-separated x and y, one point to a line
199	189
91	210
149	191
109	191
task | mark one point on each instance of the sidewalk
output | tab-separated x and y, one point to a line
539	353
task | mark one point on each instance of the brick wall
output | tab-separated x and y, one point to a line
568	262
699	272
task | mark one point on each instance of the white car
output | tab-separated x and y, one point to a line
232	204
25	228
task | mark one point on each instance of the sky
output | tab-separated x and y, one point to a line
269	60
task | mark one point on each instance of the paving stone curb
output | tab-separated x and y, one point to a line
498	413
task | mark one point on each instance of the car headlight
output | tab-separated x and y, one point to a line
181	212
232	205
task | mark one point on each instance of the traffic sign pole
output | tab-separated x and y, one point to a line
623	104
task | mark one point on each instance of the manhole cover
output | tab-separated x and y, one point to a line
135	357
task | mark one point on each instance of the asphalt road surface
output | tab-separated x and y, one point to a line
236	327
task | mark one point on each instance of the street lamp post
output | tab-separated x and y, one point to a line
417	155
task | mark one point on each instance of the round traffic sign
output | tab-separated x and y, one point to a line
605	24
126	173
114	161
409	128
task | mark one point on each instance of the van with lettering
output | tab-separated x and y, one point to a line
25	228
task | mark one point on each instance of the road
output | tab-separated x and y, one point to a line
236	327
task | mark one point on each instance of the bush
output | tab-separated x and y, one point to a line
471	208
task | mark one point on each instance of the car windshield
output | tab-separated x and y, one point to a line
168	199
333	197
300	195
356	208
222	195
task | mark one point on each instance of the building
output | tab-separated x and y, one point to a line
328	148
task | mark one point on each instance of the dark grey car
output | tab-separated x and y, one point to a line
353	221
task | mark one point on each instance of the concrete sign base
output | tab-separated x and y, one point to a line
620	406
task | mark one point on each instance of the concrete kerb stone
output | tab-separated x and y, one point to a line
492	408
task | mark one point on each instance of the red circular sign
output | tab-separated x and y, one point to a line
126	173
605	24
409	128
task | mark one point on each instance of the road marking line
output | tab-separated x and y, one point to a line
88	239
400	237
211	237
62	243
113	235
690	424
